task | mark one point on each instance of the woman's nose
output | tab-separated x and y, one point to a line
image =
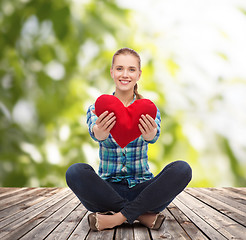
125	74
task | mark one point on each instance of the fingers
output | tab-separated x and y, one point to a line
111	125
151	120
147	123
102	116
106	120
147	127
141	129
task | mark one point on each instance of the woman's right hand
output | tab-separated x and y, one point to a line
104	124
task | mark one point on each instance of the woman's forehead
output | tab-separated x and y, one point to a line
126	60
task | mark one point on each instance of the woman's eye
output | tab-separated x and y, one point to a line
118	68
132	70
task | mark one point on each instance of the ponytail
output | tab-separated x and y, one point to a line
138	96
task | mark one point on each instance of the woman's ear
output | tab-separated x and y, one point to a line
111	72
140	73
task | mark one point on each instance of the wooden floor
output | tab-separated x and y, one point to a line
55	213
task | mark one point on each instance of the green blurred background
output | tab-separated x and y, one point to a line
54	62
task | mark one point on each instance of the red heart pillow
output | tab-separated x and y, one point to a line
126	128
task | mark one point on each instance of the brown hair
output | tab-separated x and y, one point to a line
130	51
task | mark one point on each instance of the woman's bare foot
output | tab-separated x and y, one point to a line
147	219
109	221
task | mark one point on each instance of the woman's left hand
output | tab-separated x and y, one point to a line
148	127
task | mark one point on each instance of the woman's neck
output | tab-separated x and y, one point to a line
125	97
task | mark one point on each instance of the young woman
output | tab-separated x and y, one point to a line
124	188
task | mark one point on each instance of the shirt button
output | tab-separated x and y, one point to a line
124	169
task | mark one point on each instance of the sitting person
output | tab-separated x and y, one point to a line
125	189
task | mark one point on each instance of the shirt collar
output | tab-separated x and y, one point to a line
134	97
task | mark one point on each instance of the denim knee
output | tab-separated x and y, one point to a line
76	171
183	170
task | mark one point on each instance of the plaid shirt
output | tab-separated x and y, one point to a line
130	162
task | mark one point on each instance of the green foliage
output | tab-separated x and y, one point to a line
54	62
44	91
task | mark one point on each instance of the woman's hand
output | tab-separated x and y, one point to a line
148	127
103	126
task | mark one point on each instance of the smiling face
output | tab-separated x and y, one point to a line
125	71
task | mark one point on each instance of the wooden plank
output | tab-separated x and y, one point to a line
28	202
141	232
7	202
213	213
67	226
236	197
223	199
170	229
3	190
12	192
206	228
13	200
124	232
223	224
20	223
81	230
241	190
34	221
190	228
101	235
229	210
42	230
21	214
233	191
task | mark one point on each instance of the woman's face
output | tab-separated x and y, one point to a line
125	72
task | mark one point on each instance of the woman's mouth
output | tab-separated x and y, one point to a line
124	82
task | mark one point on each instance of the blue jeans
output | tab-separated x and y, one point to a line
154	195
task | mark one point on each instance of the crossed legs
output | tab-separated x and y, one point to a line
153	196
